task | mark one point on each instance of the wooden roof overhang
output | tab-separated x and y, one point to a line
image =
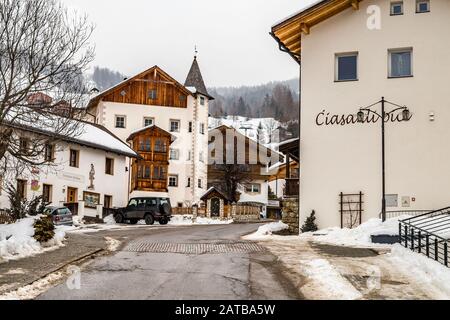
289	32
139	78
152	128
292	148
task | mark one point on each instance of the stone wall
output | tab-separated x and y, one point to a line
290	209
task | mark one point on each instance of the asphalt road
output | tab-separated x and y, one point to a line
199	262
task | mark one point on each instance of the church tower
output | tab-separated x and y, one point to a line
199	161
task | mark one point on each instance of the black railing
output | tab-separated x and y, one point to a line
428	234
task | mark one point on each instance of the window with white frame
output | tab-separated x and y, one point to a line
396	8
400	63
189	157
422	6
200	183
202	128
253	188
191	125
174	125
346	68
202	101
121	122
201	157
173	181
188	182
149	121
174	154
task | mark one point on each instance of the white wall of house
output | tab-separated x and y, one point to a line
277	187
347	158
260	197
61	176
191	146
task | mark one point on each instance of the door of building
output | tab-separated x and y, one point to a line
215	207
72	200
72	195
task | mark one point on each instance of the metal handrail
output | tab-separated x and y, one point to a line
425	214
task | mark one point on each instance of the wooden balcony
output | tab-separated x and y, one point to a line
292	188
142	184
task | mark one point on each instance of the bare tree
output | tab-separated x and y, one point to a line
230	177
44	51
271	126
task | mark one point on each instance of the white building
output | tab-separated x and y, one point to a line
352	53
155	98
86	171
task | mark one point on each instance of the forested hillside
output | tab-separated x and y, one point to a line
278	100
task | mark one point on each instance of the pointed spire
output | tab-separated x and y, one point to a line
195	78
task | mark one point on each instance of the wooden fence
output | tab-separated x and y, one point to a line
181	211
5	217
246	212
239	212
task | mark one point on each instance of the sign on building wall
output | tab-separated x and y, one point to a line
71	177
91	200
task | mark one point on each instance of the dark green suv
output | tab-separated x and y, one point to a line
148	209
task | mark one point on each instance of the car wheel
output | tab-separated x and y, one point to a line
118	218
149	220
134	221
165	209
163	222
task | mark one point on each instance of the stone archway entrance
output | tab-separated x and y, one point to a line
215	207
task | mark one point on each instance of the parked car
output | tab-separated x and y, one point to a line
148	209
60	215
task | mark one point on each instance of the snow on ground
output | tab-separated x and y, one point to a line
187	220
361	235
36	288
267	230
16	240
426	272
327	279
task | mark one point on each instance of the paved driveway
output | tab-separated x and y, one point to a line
199	262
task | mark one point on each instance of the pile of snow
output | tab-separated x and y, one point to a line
181	220
361	235
426	272
213	221
327	281
109	220
16	240
267	230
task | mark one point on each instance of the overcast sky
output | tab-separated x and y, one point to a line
232	36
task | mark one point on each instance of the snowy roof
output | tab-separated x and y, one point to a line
212	189
307	7
86	134
249	138
283	143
